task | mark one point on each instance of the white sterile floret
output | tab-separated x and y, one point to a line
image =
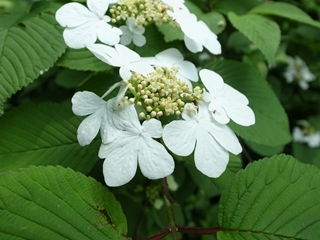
123	57
196	33
174	3
134	33
210	140
311	138
134	146
225	102
84	26
171	57
297	70
100	111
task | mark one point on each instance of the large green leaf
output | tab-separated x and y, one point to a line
275	198
28	44
262	31
82	59
285	10
57	203
271	127
44	134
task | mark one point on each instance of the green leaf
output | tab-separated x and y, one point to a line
193	8
239	7
215	21
28	44
82	59
44	134
271	127
67	78
170	32
285	10
57	203
262	31
274	198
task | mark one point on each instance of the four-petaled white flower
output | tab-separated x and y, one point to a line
225	102
134	146
134	33
100	111
196	33
210	140
123	57
312	139
297	70
171	57
84	26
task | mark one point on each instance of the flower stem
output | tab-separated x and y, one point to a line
172	223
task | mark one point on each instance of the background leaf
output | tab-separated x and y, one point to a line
275	198
57	203
255	28
44	134
285	10
271	127
28	44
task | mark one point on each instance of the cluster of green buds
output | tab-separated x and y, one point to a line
159	93
144	12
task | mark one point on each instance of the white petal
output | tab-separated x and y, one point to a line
125	73
106	54
233	95
89	127
218	112
108	34
212	81
84	103
152	127
125	30
303	85
80	37
120	164
211	42
108	130
127	54
73	15
188	70
141	67
179	137
131	23
99	7
170	56
224	136
240	113
192	45
139	40
126	118
154	160
210	158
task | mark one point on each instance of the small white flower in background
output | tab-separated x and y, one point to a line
171	57
131	32
158	203
134	146
100	111
84	26
306	135
297	70
123	57
210	140
172	184
225	102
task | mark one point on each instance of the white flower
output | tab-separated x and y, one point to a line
196	33
297	70
123	57
225	102
174	3
131	32
171	57
199	131
100	111
84	26
134	145
312	139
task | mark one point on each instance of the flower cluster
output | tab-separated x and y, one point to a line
306	134
159	106
298	71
